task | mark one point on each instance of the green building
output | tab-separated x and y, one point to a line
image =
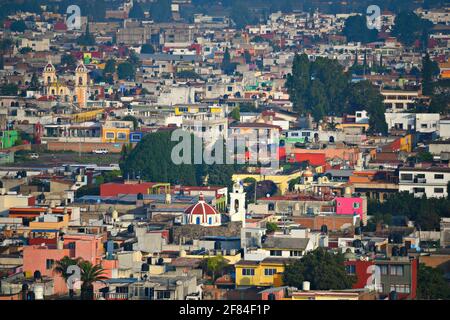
8	138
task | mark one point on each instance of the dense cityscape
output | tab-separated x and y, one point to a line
224	150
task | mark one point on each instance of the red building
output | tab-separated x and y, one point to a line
397	274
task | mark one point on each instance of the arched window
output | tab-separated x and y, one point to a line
198	220
236	205
49	79
209	220
331	140
80	81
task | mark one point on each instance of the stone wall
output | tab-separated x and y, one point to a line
195	232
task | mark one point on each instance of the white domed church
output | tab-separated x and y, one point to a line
202	214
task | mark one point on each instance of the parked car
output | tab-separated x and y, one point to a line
100	151
34	156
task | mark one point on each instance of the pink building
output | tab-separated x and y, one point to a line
43	257
351	206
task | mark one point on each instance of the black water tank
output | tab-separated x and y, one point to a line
324	228
403	251
149	260
357	243
393	295
145	267
395	251
37	275
160	262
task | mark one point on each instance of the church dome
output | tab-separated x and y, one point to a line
202	213
201	208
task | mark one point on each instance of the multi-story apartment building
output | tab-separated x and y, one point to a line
430	181
399	101
418	122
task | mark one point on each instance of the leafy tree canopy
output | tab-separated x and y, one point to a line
323	269
356	30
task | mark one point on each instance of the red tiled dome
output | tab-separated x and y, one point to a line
201	208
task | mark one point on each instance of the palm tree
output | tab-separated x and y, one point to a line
89	274
62	267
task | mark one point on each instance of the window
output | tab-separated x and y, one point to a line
406	176
351	269
71	245
270	272
109	135
49	264
439	176
355	205
160	295
383	269
248	272
295	253
276	253
438	190
121	136
400	288
396	270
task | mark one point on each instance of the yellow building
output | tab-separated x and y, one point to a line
281	180
76	92
265	273
50	222
117	131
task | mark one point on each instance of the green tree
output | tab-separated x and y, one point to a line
25	50
431	284
136	11
161	11
110	67
86	39
408	27
429	70
226	66
89	275
215	266
147	48
34	83
126	71
152	159
364	96
18	26
271	227
356	30
235	114
61	268
241	15
323	269
9	89
69	61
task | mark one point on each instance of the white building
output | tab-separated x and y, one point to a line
444	128
418	122
430	181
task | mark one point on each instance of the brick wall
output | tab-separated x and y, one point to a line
83	146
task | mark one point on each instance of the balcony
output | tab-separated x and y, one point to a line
112	296
420	180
